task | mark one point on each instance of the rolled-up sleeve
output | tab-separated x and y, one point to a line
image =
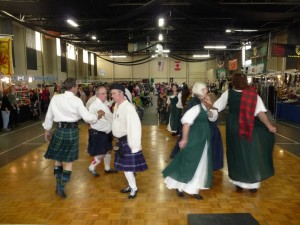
260	107
221	103
134	131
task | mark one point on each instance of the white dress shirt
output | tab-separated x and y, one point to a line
104	124
221	103
127	122
90	101
67	107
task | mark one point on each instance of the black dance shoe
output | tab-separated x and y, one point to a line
94	173
111	171
199	197
126	190
180	193
253	190
61	192
238	189
132	194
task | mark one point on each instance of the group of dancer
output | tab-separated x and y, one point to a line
249	160
249	141
66	110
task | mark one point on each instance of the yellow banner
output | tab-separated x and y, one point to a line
6	64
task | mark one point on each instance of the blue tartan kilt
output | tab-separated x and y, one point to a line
99	143
64	145
130	162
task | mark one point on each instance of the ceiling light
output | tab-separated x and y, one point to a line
118	56
94	37
160	37
161	22
163	51
72	23
201	56
246	30
228	31
215	46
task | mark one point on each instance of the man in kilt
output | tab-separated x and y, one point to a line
100	136
126	127
65	109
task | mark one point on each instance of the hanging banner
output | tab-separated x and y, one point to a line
160	66
232	64
177	65
6	65
285	50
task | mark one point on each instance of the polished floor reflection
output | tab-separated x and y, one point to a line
27	191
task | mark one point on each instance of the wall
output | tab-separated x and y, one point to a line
158	69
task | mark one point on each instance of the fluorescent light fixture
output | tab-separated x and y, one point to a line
246	30
153	56
215	46
163	51
118	56
201	56
94	37
228	31
161	22
160	37
72	23
30	79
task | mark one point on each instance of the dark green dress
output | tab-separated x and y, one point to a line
184	165
175	114
248	162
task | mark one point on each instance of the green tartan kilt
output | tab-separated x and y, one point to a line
64	145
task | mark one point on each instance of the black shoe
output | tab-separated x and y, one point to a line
174	134
132	194
111	171
94	173
61	192
180	194
199	197
239	189
253	190
126	190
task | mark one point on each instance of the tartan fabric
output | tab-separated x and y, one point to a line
99	143
64	145
246	116
130	162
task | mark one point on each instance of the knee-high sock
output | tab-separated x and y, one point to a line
131	180
66	176
58	170
107	159
95	163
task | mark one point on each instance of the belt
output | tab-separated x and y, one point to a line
67	124
123	138
97	131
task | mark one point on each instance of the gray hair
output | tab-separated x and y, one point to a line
197	89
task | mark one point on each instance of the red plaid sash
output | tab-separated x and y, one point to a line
247	109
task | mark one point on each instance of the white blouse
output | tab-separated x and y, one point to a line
179	103
190	115
127	122
221	103
67	107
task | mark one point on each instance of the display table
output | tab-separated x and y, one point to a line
288	111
